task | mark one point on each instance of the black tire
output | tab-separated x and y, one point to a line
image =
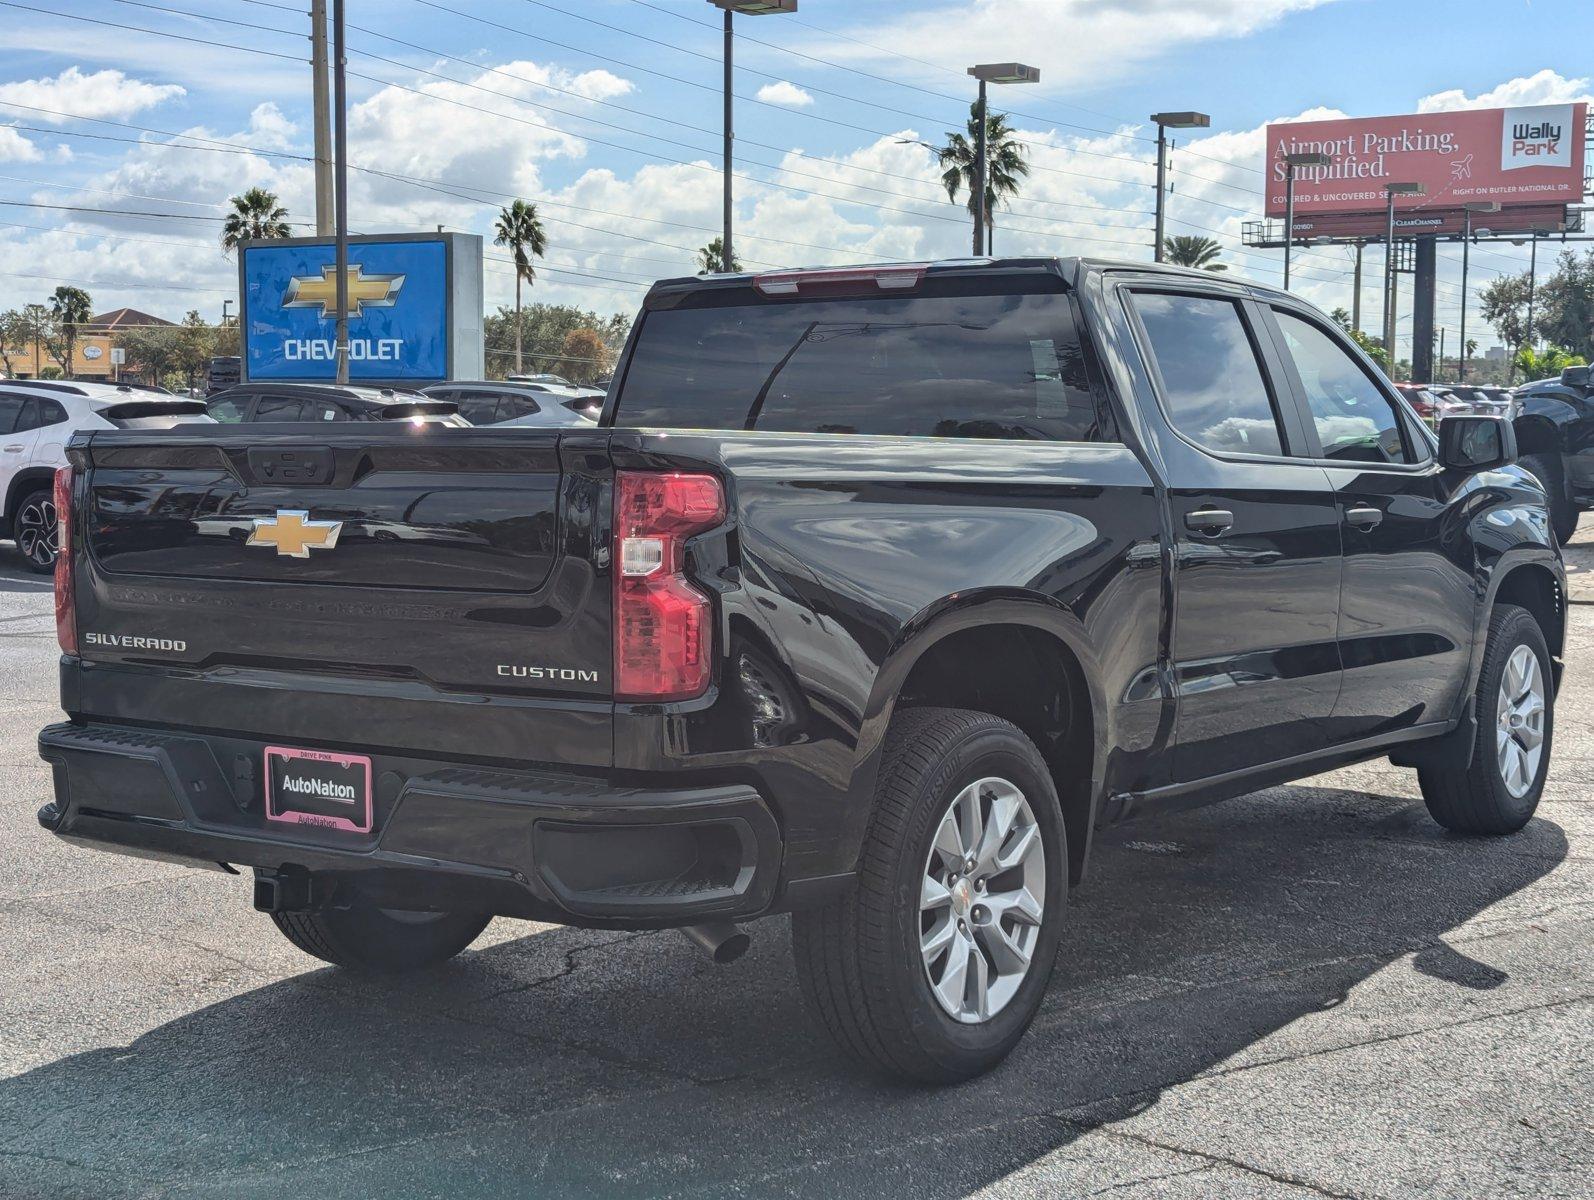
35	530
1477	798
1546	468
363	937
859	959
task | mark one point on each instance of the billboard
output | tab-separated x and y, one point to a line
415	309
1513	156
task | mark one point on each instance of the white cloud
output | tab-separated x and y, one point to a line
785	93
16	148
107	93
1543	87
1074	42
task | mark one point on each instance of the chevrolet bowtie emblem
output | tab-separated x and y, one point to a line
373	291
294	534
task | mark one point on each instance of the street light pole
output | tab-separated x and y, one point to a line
340	189
1292	162
1391	190
748	8
1164	122
1533	283
989	73
1486	206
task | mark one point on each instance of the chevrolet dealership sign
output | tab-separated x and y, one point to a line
415	309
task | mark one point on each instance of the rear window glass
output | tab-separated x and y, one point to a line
992	366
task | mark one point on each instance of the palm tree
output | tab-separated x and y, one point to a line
1004	154
71	308
711	258
1200	253
255	214
519	229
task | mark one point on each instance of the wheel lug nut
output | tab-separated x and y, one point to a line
963	926
969	866
979	885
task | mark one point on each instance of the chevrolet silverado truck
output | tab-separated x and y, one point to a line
874	593
1554	422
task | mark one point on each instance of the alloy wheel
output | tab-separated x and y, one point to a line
38	532
982	900
1519	721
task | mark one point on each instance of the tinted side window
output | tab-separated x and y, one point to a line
984	366
1212	382
278	408
519	406
10	410
1355	421
229	410
29	418
479	408
51	413
322	410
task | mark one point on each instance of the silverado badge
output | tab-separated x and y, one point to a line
294	534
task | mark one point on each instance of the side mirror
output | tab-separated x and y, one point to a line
1575	376
1476	443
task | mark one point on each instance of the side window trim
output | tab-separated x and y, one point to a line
1416	446
1159	387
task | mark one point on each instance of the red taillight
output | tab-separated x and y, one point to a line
65	610
663	626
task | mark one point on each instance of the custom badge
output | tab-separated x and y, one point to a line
293	534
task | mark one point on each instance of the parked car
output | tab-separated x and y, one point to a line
225	371
878	591
255	403
1554	421
1432	402
488	403
37	419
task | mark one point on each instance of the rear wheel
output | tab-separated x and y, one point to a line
934	967
1498	791
37	531
1546	468
363	937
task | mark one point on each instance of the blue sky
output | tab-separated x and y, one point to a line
606	113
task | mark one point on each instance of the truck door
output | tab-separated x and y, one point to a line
1256	536
1408	597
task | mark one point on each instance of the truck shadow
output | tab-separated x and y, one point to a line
571	1063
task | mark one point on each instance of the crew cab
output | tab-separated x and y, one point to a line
1554	420
279	403
872	596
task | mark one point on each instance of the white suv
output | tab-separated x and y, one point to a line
37	419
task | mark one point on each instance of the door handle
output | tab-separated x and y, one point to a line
14	449
1210	521
1363	516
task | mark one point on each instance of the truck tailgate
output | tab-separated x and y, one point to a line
457	562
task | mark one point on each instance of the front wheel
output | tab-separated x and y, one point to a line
1498	791
363	937
37	531
933	968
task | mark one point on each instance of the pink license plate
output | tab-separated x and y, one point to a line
316	787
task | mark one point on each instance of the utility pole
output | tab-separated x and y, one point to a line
1165	121
340	189
979	173
323	125
726	201
1391	190
1356	299
1484	206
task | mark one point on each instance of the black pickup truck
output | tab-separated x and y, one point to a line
1554	421
871	596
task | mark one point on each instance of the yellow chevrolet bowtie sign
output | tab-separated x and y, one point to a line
294	534
365	291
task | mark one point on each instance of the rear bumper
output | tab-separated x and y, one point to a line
564	848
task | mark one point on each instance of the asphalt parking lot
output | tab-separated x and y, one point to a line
1310	991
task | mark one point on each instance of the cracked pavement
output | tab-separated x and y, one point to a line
1309	991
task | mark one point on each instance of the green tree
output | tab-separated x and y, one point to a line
1371	346
16	332
194	344
711	259
255	214
153	351
71	308
42	332
1005	156
1546	363
1504	304
1199	253
543	329
585	356
519	229
1564	313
